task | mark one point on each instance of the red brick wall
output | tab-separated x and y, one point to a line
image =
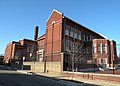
21	46
55	16
53	36
40	41
111	49
98	41
8	51
102	55
93	76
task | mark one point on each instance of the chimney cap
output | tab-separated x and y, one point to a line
36	26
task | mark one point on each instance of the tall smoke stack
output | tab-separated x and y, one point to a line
36	33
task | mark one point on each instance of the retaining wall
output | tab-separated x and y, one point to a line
48	67
93	76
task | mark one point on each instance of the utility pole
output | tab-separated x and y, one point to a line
23	63
113	67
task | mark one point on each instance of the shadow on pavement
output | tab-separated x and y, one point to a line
12	74
67	81
6	67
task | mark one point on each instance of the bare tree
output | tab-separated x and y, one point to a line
74	49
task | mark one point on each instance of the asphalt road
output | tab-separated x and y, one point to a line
14	78
2	67
9	77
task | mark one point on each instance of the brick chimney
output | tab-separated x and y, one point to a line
36	33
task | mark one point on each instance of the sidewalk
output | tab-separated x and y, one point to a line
85	81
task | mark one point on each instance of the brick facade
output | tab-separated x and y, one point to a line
18	50
93	76
53	37
104	52
41	48
67	37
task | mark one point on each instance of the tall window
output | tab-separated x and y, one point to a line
67	28
67	44
104	60
94	48
79	34
71	31
75	33
84	38
99	48
87	38
104	48
90	37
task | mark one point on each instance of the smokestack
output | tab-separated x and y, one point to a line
36	33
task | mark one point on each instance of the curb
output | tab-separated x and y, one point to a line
65	80
25	72
59	79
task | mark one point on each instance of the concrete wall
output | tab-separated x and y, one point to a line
51	67
54	67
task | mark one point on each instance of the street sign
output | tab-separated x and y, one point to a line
23	58
30	54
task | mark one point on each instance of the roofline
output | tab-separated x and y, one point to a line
112	40
57	11
12	42
83	26
52	13
101	39
28	39
40	37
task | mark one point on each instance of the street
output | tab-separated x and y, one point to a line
13	78
10	77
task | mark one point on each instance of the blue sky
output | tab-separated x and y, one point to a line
18	17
